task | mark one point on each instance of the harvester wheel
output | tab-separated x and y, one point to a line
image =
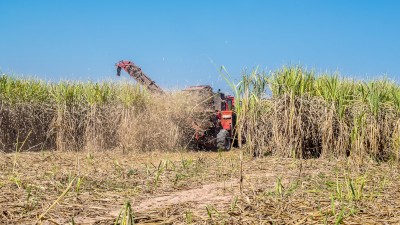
223	140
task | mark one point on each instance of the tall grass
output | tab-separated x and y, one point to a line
312	115
87	115
308	115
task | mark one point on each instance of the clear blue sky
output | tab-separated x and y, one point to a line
180	43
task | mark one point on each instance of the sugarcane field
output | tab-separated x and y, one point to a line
199	112
322	149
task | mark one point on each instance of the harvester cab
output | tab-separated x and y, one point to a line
227	115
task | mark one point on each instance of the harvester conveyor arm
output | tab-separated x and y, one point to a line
137	73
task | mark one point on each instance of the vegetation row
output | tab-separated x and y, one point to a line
291	112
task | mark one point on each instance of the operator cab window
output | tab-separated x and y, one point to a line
223	106
229	103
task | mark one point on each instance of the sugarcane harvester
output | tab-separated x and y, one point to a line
218	132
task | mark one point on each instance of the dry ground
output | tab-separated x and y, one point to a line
194	187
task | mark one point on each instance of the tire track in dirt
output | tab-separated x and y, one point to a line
220	193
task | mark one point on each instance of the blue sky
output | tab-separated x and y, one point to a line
179	43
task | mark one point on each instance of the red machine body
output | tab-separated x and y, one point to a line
222	122
227	114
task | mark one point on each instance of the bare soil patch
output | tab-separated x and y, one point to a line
207	194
